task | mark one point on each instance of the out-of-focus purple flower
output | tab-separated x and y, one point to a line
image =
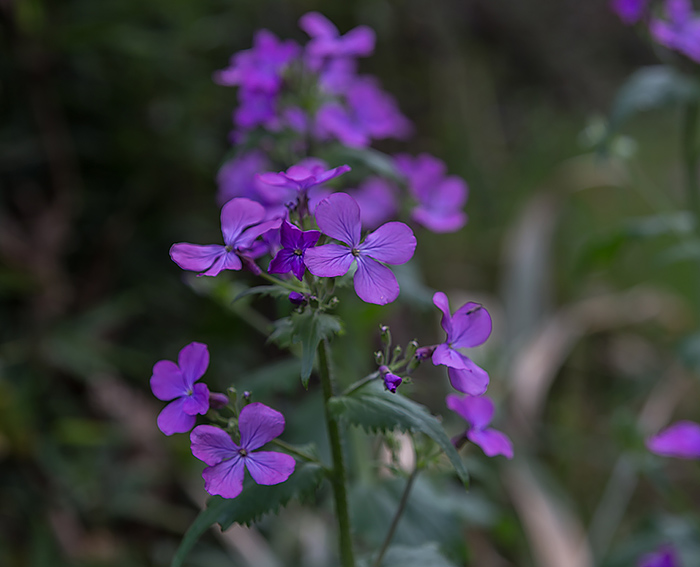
296	118
440	197
326	40
681	32
261	67
682	440
470	326
217	400
295	243
338	216
337	75
629	11
175	383
236	178
256	108
477	411
377	198
370	113
227	461
665	556
241	224
296	183
391	381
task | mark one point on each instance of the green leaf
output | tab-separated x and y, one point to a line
652	87
250	505
271	290
375	409
409	556
310	328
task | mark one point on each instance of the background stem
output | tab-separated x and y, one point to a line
338	476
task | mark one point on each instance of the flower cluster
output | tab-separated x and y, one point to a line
679	30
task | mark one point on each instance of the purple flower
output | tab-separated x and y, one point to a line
241	224
377	200
391	381
298	299
477	411
665	556
259	68
470	326
175	383
236	178
338	216
256	108
440	197
681	440
629	11
294	245
326	40
371	113
288	186
681	32
258	424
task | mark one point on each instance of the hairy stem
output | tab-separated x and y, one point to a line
338	477
397	517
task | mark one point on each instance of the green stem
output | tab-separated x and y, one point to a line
294	451
338	476
287	285
361	382
397	517
690	161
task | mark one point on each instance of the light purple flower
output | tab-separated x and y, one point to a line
259	68
256	108
326	40
294	242
378	201
175	383
236	178
629	11
370	113
681	32
258	424
241	224
440	197
469	327
287	186
665	556
681	440
338	216
477	411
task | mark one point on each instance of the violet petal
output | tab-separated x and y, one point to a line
492	442
472	380
471	326
212	444
258	425
329	260
393	243
681	440
267	467
172	419
375	283
193	361
196	257
167	381
198	401
475	410
226	478
338	216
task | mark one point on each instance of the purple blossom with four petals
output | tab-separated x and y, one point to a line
258	424
469	327
294	242
665	556
681	440
295	183
338	216
440	197
237	177
241	224
175	383
477	411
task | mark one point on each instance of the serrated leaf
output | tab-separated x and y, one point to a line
310	328
652	87
250	505
375	409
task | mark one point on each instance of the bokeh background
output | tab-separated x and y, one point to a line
111	135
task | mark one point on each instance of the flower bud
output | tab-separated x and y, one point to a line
379	357
217	400
411	349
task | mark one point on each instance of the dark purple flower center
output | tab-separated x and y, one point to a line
243	452
228	248
355	252
298	251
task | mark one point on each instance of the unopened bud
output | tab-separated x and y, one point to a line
385	334
217	400
425	352
411	348
379	357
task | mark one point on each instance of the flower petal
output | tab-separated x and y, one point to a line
338	216
329	260
331	174
287	261
443	354
212	444
198	401
246	239
290	236
317	25
258	425
196	257
267	467
375	283
238	214
471	326
174	420
167	382
472	380
193	361
225	479
681	440
393	243
492	442
443	304
475	410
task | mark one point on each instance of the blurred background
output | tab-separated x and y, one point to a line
111	135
